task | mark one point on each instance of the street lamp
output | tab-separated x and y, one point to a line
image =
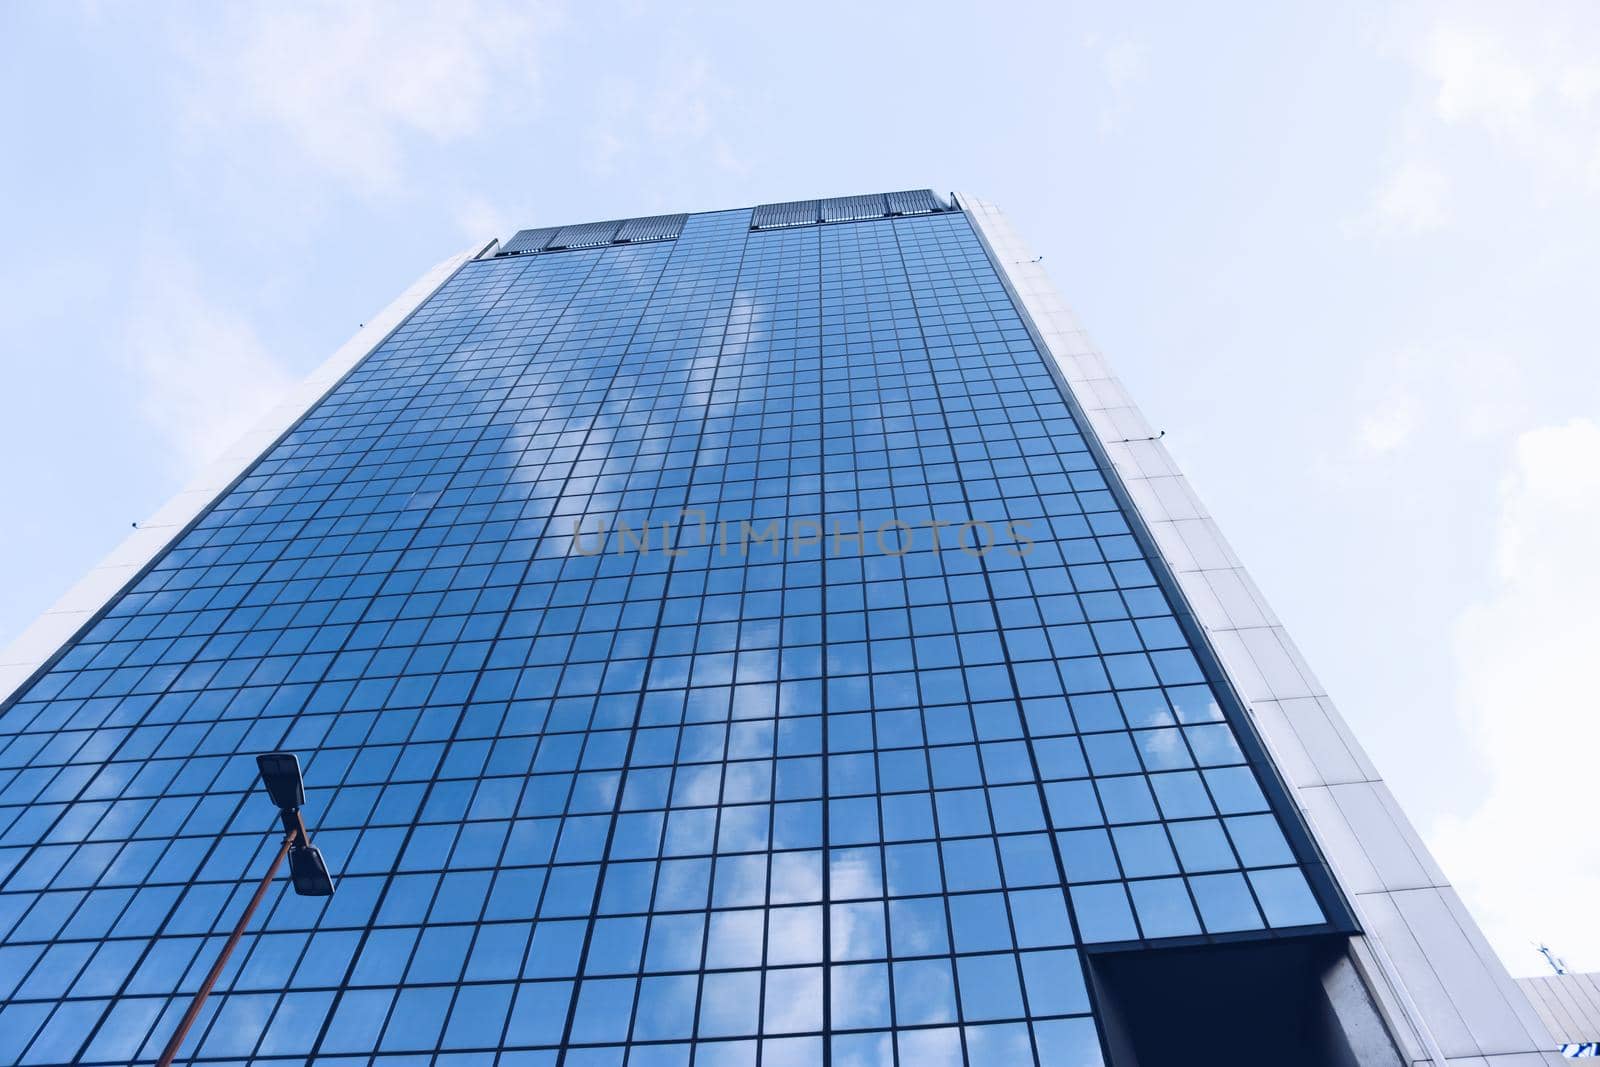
280	774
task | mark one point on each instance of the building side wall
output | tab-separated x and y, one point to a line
47	635
1447	995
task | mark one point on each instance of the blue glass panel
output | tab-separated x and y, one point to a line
698	649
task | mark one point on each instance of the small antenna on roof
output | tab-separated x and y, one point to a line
1556	963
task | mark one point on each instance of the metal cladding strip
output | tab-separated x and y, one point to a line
1569	1003
46	637
1447	997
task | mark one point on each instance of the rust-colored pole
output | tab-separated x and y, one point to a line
222	958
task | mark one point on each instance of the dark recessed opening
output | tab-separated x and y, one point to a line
1243	1005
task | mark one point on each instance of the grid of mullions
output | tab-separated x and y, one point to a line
792	804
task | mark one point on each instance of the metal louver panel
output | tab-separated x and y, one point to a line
913	202
528	241
586	235
764	217
851	208
654	228
793	213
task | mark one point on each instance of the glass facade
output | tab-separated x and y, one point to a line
723	650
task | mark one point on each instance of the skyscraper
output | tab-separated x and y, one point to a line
764	636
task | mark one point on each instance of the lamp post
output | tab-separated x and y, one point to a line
280	773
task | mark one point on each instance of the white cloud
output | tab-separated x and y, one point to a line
1450	390
1389	427
1412	200
1528	859
1503	100
1477	77
1122	64
1122	61
345	85
680	111
1530	84
681	104
481	219
1579	85
202	375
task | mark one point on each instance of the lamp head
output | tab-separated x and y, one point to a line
280	773
309	873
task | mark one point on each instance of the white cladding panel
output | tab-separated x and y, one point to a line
1448	998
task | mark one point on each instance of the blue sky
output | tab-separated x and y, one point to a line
1344	254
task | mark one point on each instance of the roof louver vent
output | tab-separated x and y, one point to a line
654	228
778	216
528	241
915	202
587	235
764	217
848	209
852	208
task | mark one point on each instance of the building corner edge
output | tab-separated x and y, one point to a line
33	651
1433	977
